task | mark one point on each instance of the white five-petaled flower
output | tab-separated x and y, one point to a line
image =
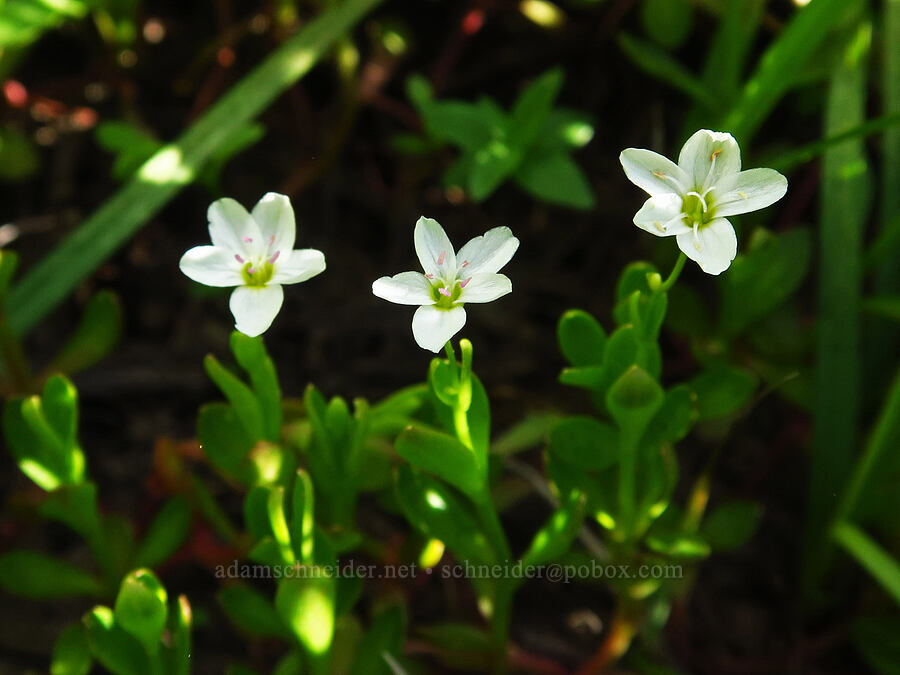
691	199
450	280
252	251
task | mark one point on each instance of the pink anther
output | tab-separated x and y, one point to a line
462	284
247	240
239	258
441	258
274	257
444	292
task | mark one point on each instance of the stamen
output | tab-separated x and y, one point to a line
429	276
247	240
702	200
271	240
462	284
709	173
274	257
444	291
465	263
239	258
441	257
671	179
742	194
697	244
250	270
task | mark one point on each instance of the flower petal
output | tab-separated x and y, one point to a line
750	191
231	227
434	248
275	218
707	156
211	266
713	248
653	173
406	288
485	287
661	215
255	307
488	253
298	265
433	327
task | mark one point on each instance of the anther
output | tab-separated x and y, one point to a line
429	276
274	257
250	270
444	291
247	240
271	240
465	263
441	257
239	258
462	284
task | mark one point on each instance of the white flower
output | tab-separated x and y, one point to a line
692	199
450	280
252	251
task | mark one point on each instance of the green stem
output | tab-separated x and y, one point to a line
872	557
674	274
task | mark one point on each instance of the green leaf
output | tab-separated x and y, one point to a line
532	108
252	612
656	62
166	533
35	575
678	544
782	62
224	440
722	390
443	456
256	512
142	608
556	179
555	538
532	431
279	525
115	649
491	165
252	356
9	262
673	420
385	635
174	166
246	405
131	145
97	334
306	605
585	442
438	513
887	306
464	124
564	130
763	278
731	525
875	638
883	567
668	22
71	653
178	656
302	518
19	159
634	399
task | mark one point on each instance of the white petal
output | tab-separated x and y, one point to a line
713	248
298	265
485	287
255	307
434	248
275	218
653	173
406	288
488	253
231	227
433	327
661	215
750	191
212	266
707	156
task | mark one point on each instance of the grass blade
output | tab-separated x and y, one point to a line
845	184
889	273
871	557
172	167
781	64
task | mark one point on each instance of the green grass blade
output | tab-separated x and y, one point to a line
172	167
845	184
654	61
788	160
782	63
889	273
871	557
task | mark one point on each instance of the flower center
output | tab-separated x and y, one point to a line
697	209
445	295
257	275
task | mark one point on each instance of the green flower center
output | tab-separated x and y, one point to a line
445	297
257	275
697	209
